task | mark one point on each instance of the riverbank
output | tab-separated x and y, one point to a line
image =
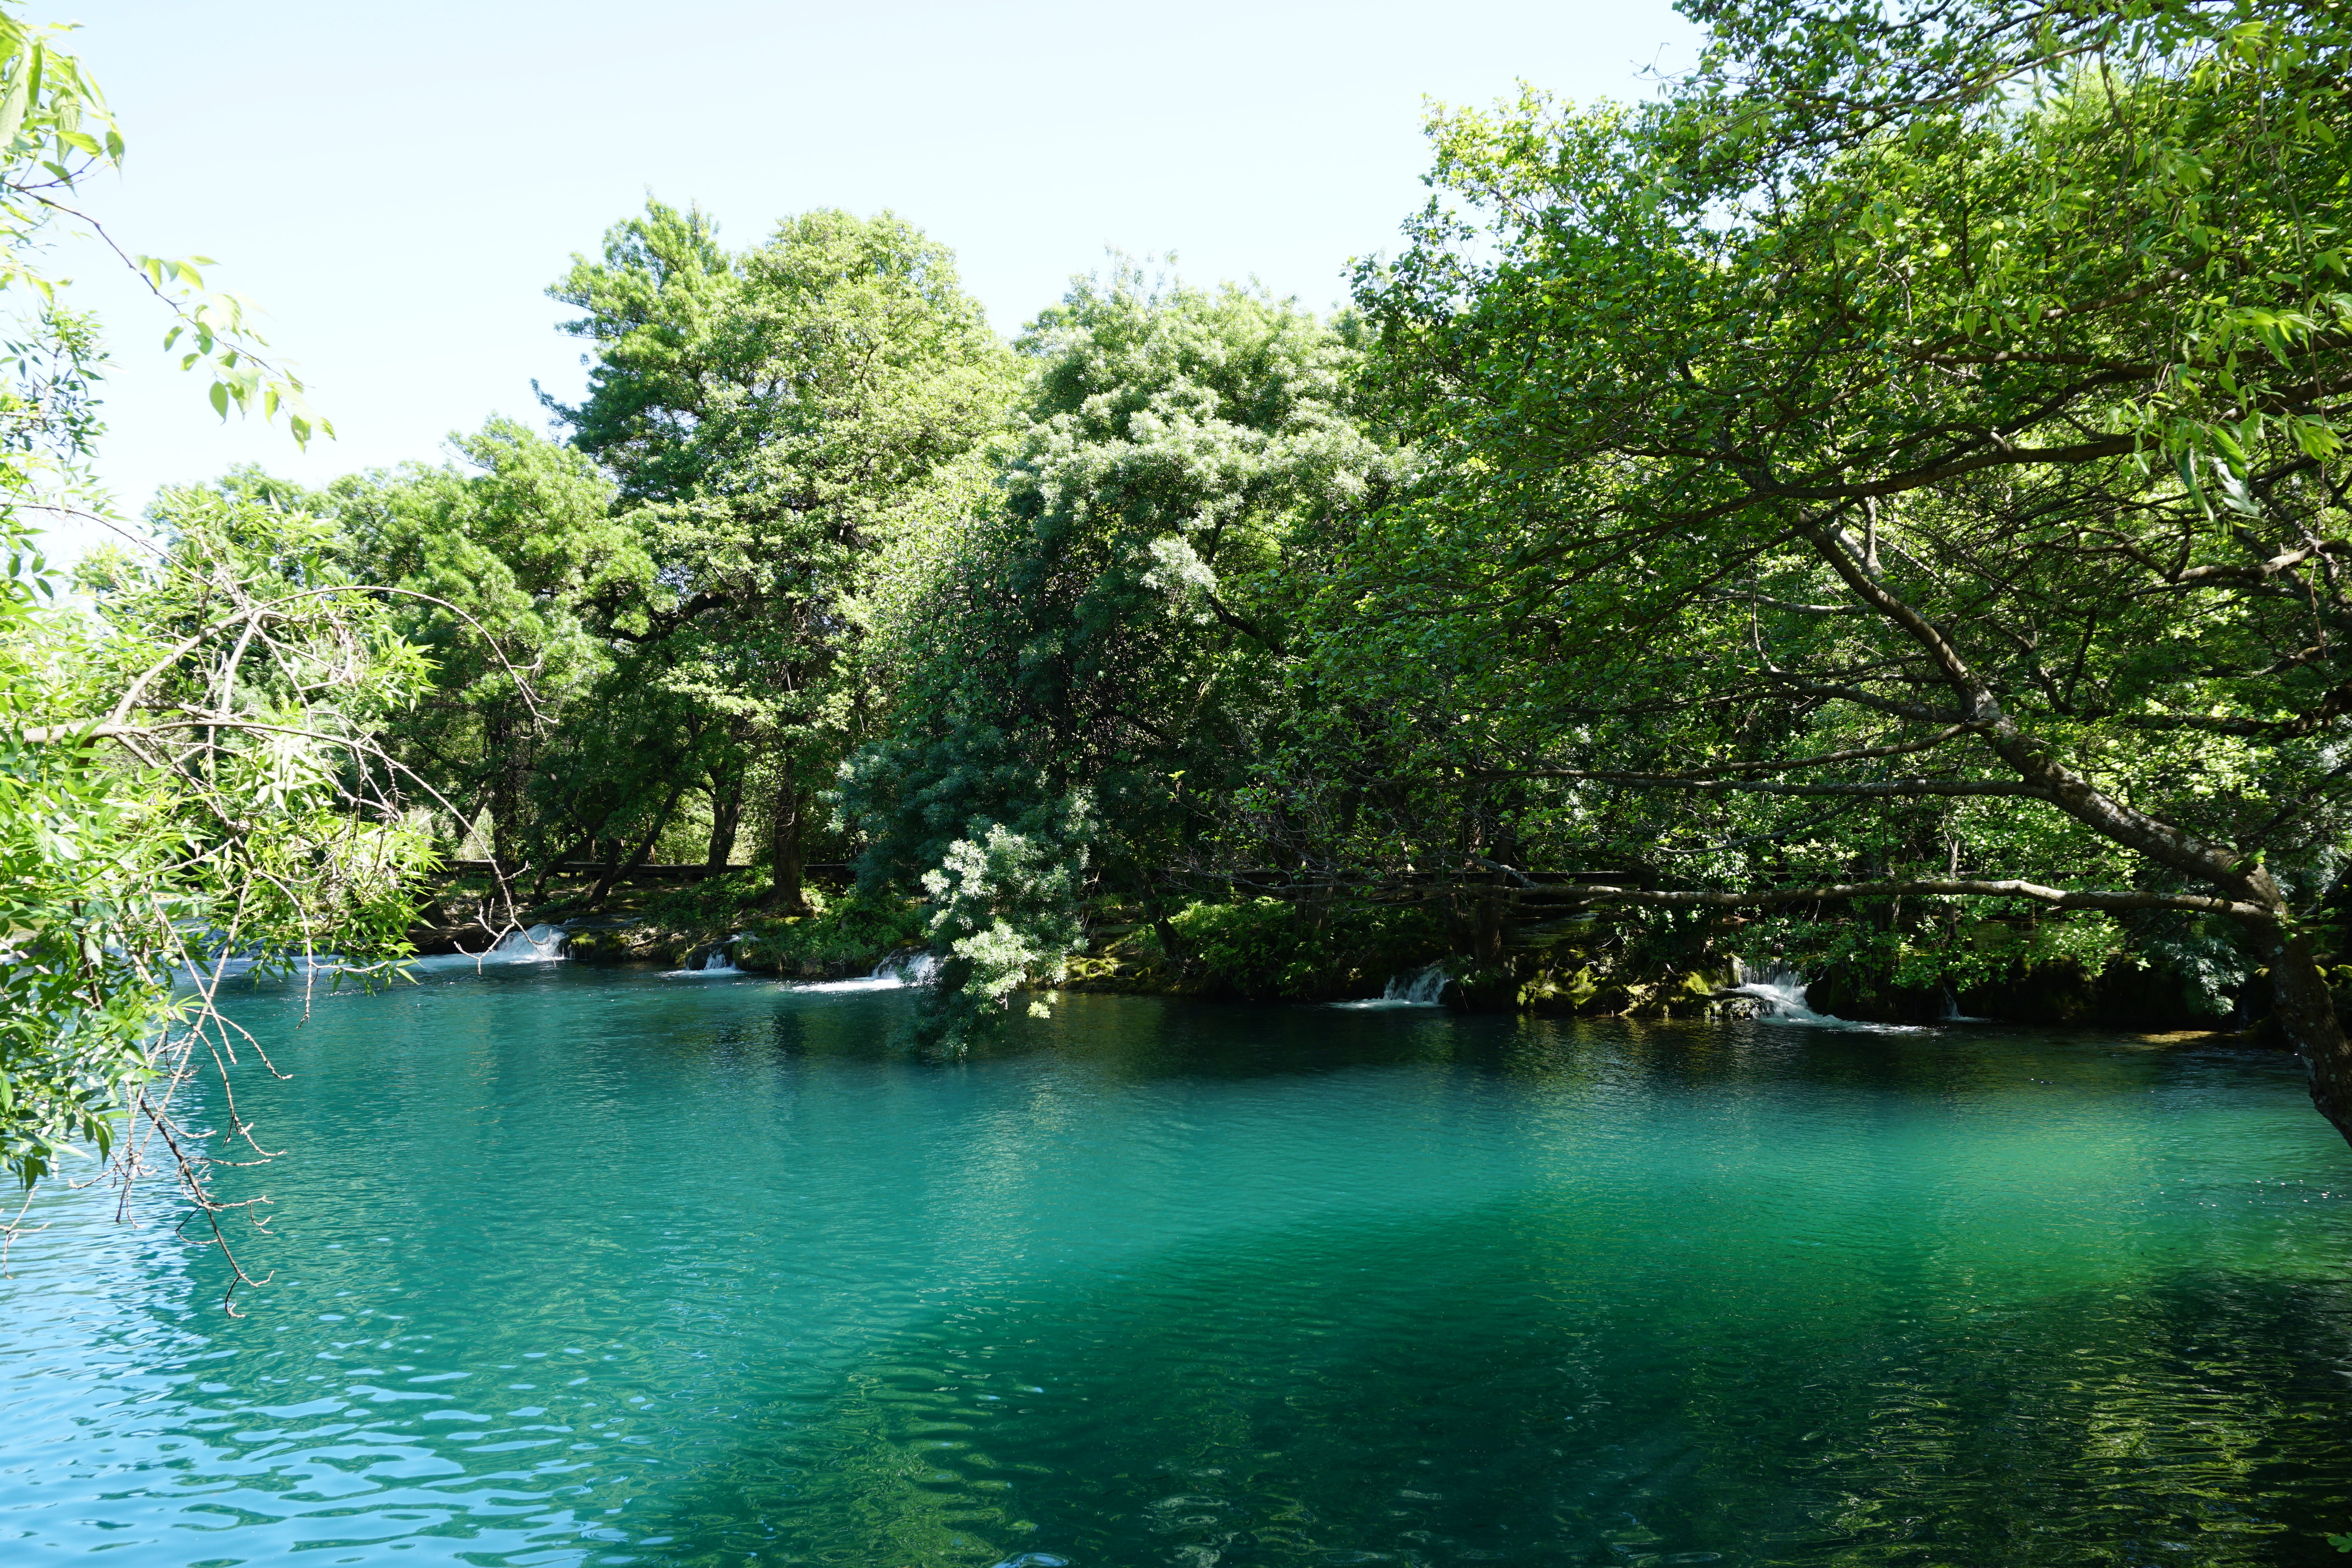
1271	950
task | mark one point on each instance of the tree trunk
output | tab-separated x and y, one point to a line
506	792
636	857
555	862
1172	947
784	843
726	816
2307	1016
604	875
1488	927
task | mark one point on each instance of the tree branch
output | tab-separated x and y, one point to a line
2006	888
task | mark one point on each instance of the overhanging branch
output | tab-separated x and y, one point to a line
2058	897
1896	788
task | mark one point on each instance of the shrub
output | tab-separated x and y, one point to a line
853	932
1271	948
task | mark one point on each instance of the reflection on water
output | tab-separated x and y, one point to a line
583	1267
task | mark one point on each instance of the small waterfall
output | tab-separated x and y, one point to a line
1423	988
902	970
1782	992
1952	1013
1782	989
719	960
539	945
717	964
916	968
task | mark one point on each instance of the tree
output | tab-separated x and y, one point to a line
775	419
188	778
194	790
1097	666
1929	417
504	569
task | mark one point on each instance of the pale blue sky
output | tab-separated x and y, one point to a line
397	185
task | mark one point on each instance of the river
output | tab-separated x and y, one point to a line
581	1266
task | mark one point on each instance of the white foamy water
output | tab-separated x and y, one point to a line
538	945
1421	989
717	964
895	973
1782	992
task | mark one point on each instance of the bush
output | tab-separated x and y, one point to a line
1270	948
851	933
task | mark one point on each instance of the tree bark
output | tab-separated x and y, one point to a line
509	771
2305	1014
1487	924
613	868
784	843
726	817
556	861
612	863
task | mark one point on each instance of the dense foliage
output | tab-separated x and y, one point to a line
1881	502
191	777
1901	462
1098	668
777	423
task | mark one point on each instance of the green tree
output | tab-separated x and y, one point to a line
188	775
776	419
1925	421
193	789
504	569
1098	667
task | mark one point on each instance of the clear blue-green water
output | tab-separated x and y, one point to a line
579	1266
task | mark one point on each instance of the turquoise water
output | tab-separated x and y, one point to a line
596	1266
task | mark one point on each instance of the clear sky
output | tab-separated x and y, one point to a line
397	185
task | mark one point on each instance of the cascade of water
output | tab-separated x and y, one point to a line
1952	1013
1782	989
539	945
908	969
716	964
1782	992
720	960
897	972
1422	989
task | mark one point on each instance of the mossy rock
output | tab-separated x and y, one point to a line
1555	990
597	947
758	957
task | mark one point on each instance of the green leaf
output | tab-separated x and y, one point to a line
2184	463
12	107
